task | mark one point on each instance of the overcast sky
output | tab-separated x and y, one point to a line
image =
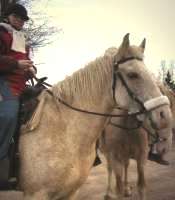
91	26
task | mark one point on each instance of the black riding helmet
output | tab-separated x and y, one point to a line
18	10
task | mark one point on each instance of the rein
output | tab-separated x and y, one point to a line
115	74
42	81
113	88
91	112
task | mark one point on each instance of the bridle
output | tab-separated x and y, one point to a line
117	74
145	107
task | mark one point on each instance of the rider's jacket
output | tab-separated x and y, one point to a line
12	49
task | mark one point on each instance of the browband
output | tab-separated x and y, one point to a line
125	60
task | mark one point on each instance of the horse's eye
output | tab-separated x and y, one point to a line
133	75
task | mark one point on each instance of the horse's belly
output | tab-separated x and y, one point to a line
48	164
58	181
62	174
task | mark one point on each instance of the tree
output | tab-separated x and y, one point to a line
168	78
169	81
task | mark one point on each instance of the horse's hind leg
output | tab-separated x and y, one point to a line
141	183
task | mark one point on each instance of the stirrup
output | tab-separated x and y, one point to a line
8	185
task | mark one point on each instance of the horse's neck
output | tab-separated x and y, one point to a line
90	126
93	93
90	88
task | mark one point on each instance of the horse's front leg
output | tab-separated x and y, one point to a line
141	182
71	196
109	194
118	169
127	187
43	195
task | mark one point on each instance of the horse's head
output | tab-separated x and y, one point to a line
134	87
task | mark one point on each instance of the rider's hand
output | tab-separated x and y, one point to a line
32	71
25	64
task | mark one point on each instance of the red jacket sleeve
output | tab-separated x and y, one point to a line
7	63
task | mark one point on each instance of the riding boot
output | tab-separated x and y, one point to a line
4	173
5	183
157	158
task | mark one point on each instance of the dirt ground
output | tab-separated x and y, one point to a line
160	182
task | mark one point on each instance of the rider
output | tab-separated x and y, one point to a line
15	69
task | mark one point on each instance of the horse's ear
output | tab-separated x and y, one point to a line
143	44
124	46
125	43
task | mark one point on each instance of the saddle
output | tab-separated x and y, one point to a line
28	104
29	101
